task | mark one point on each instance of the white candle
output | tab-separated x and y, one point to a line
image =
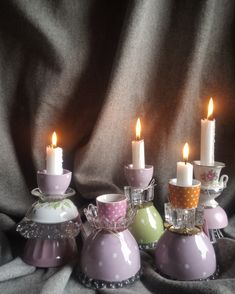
208	137
138	158
185	170
54	160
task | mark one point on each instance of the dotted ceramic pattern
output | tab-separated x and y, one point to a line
110	257
106	225
184	197
112	211
185	258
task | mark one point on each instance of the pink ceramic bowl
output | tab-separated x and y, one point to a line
53	184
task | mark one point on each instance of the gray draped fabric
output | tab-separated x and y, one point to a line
87	69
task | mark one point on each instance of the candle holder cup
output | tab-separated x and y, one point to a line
138	177
212	186
210	175
184	197
50	185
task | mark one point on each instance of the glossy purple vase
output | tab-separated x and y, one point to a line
110	257
185	257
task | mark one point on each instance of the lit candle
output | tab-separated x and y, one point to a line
54	157
185	169
208	137
138	158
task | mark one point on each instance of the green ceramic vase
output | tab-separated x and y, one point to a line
147	226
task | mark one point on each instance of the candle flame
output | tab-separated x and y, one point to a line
54	139
138	129
186	152
210	109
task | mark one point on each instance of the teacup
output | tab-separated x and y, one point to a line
111	207
209	176
184	197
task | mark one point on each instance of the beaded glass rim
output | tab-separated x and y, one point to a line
147	246
100	284
31	230
212	277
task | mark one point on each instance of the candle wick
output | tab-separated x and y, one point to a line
185	162
210	117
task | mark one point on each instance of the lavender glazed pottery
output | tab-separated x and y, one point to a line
138	178
110	257
185	257
49	253
53	184
215	218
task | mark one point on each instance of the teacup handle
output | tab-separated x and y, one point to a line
223	181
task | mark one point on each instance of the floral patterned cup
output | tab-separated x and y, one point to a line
111	207
209	176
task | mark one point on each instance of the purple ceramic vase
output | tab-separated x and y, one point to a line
49	253
185	257
110	257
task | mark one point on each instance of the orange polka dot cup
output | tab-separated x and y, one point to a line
184	197
111	207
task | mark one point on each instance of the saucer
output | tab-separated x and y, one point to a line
68	193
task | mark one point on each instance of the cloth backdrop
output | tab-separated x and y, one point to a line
87	69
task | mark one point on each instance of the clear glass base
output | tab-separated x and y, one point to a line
139	195
183	218
31	230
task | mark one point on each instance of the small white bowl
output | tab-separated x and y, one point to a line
52	212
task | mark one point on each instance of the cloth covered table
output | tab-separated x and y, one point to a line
87	69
